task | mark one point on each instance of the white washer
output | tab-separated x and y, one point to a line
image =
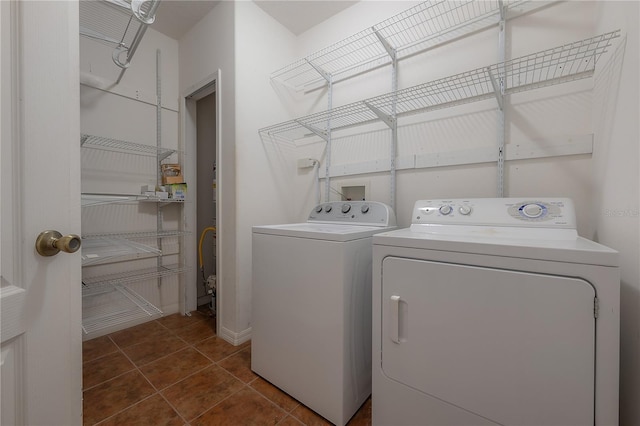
311	305
494	311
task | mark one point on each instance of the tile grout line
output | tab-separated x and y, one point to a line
228	396
193	346
126	408
143	376
157	391
245	385
173	408
138	369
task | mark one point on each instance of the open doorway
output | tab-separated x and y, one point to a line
201	132
206	200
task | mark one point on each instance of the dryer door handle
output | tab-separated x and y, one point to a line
394	318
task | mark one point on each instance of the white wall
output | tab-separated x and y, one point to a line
616	183
205	49
247	45
263	171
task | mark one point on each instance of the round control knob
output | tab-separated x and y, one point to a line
364	209
346	208
465	210
327	208
318	209
445	210
532	210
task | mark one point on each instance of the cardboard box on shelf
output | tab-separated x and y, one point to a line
171	173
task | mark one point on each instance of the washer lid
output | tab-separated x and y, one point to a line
503	241
322	231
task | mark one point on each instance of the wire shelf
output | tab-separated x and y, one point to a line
115	145
120	24
108	305
553	66
108	23
96	283
415	30
104	249
90	200
142	234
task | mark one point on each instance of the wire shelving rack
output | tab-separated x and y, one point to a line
105	249
569	62
120	24
115	145
108	305
413	31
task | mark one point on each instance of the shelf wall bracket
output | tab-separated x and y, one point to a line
389	120
387	46
319	70
320	133
496	89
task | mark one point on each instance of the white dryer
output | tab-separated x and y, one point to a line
311	305
494	311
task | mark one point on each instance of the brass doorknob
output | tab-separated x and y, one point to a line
49	243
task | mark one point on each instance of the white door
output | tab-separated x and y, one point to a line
509	346
41	349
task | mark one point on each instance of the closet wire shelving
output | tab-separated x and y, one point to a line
100	248
112	304
108	144
108	248
107	299
569	62
413	31
120	24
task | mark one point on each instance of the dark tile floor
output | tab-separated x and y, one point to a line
175	371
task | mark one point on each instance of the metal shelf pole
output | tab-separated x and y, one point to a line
392	121
327	165
501	110
159	210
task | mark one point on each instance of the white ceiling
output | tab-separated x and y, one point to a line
175	17
300	15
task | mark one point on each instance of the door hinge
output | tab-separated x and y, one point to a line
596	307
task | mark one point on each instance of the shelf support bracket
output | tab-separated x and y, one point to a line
387	46
386	118
320	71
496	89
320	133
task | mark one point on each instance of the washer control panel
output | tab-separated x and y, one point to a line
526	212
354	212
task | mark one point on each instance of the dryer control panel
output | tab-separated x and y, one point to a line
522	212
353	212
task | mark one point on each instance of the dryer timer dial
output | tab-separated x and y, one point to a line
532	210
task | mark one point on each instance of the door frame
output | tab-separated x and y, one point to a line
211	84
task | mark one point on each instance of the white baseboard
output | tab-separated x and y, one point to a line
233	337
